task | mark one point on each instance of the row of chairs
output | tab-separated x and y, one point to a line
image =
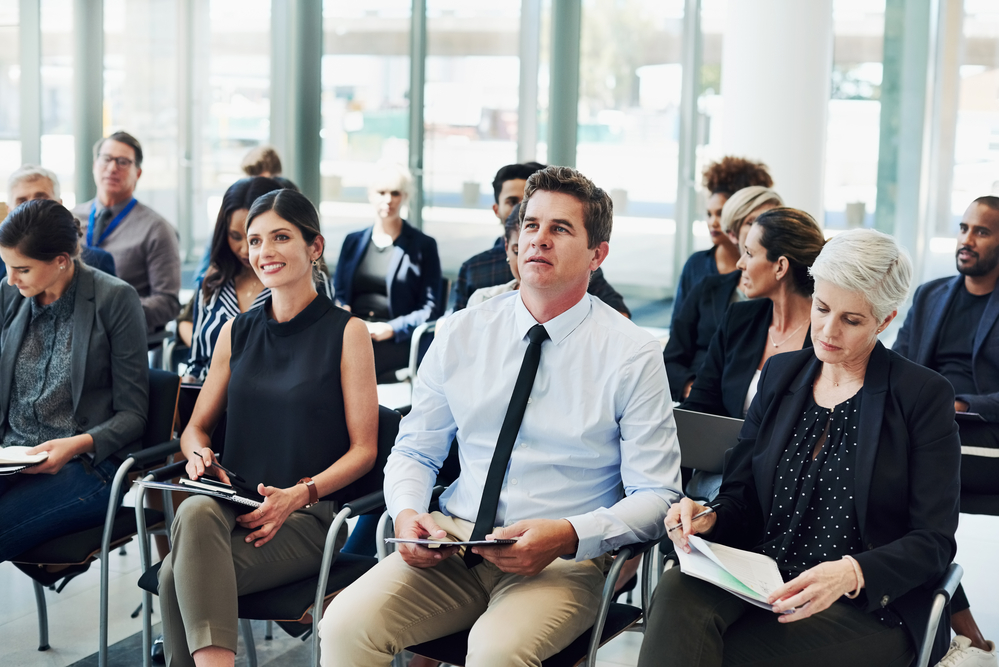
294	602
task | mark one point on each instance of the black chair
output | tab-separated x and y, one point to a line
79	549
289	605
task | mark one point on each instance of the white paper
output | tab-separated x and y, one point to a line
16	455
747	575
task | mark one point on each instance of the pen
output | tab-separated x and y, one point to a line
693	518
237	476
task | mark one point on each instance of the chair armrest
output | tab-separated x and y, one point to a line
638	548
367	504
156	453
949	581
167	472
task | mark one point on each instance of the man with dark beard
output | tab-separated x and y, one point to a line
951	328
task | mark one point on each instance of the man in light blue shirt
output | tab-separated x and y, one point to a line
593	466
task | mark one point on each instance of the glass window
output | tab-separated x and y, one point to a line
58	150
470	115
630	79
365	107
232	90
140	91
976	154
10	98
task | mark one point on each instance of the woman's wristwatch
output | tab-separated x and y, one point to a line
313	492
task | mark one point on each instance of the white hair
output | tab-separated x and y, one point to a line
738	207
391	174
29	172
868	262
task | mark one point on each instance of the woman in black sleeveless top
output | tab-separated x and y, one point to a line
297	380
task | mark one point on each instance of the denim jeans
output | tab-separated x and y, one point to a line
38	508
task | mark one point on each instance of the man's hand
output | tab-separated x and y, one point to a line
269	517
380	330
410	525
961	406
61	451
540	542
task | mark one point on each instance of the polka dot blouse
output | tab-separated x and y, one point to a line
813	518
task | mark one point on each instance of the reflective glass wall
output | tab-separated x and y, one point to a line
10	98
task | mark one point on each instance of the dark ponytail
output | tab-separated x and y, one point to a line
794	235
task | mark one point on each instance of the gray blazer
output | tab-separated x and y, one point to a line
110	373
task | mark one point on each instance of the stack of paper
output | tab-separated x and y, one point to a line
15	459
745	574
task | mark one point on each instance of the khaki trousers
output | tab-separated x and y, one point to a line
514	620
211	564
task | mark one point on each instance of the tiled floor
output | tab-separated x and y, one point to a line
73	613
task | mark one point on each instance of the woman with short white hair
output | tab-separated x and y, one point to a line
846	474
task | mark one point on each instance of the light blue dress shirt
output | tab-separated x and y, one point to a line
598	442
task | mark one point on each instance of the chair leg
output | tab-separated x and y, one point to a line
43	617
246	629
269	631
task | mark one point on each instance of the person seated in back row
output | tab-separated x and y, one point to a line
389	274
722	179
845	474
144	245
951	328
573	458
510	245
704	308
490	268
31	182
73	378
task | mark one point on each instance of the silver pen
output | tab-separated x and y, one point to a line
706	512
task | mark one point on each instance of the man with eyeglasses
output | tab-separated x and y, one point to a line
144	245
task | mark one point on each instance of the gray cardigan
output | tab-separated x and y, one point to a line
110	374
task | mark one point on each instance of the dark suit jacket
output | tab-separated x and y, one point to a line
413	281
907	485
733	356
95	258
693	328
110	372
917	340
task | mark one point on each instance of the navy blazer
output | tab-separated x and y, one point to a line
734	355
109	365
693	328
907	485
917	340
413	281
95	258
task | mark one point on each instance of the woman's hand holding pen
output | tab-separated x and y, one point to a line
269	517
681	516
202	461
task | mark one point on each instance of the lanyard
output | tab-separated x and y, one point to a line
110	228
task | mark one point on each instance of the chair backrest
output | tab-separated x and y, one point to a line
164	388
444	293
704	439
388	429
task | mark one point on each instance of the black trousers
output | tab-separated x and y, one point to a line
696	624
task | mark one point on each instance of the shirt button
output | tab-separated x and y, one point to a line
524	445
884	601
514	482
530	400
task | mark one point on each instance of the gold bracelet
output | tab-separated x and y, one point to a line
856	572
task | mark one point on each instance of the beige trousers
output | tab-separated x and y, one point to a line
211	565
514	620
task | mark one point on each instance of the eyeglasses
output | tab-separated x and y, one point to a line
121	162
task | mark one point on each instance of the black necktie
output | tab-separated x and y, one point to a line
486	519
100	224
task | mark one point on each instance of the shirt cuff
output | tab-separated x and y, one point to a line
589	535
406	502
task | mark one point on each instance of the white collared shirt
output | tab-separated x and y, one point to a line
597	445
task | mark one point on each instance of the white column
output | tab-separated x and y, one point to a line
776	70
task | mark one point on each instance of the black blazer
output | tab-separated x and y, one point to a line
693	328
732	359
413	282
917	340
907	485
110	366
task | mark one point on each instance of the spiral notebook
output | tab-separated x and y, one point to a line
204	491
15	459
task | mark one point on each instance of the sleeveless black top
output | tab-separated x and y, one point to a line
286	418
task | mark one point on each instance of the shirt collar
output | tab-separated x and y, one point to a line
559	327
62	308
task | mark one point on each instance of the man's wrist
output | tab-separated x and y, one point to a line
570	540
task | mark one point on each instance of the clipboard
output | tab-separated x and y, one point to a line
170	486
